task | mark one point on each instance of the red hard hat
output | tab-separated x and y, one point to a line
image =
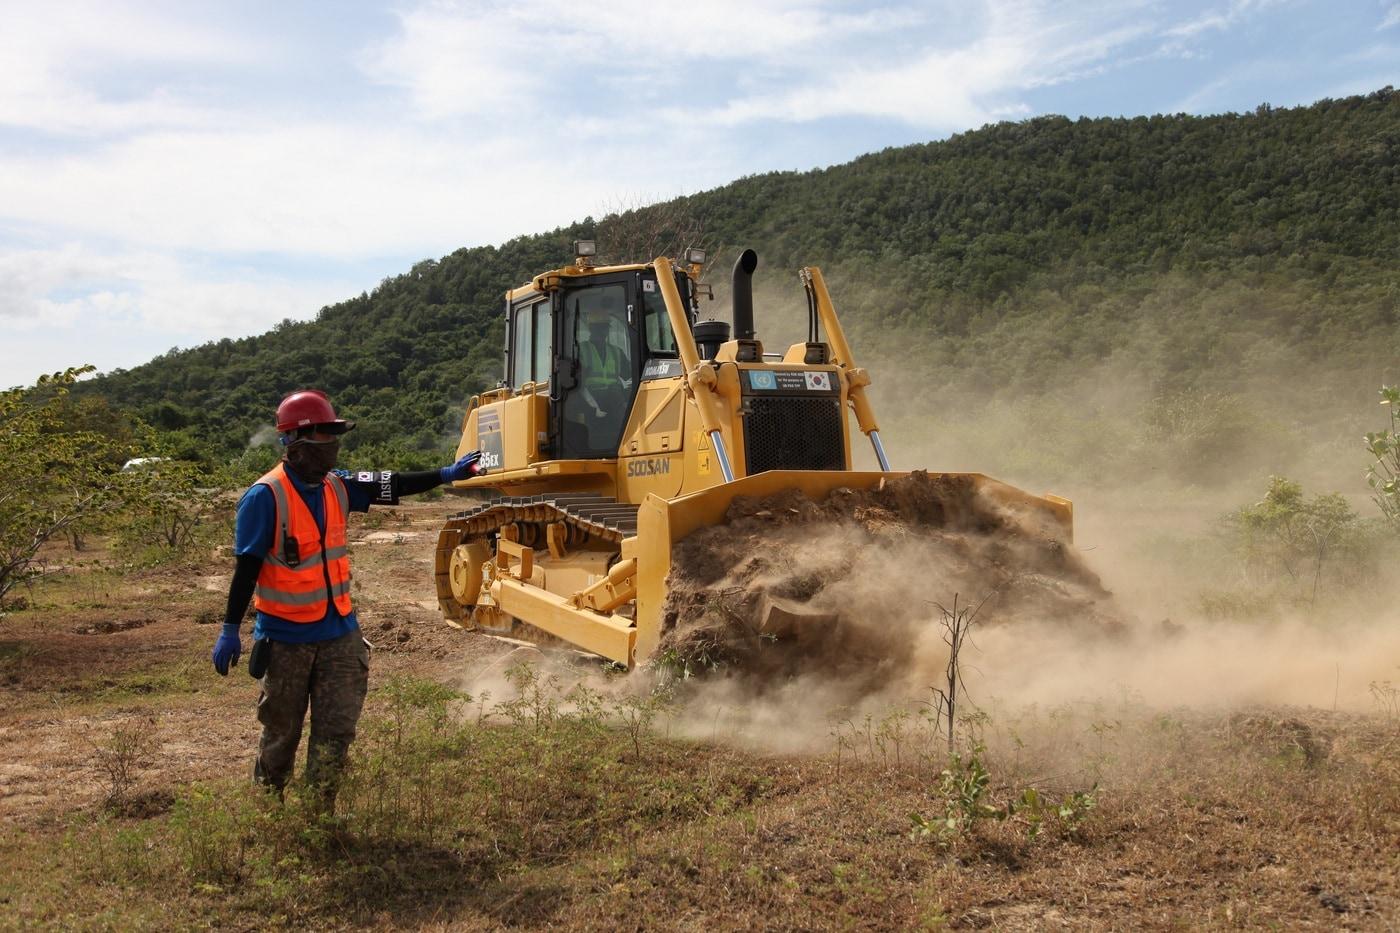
307	407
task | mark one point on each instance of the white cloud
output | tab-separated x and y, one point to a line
74	287
1391	17
485	57
951	85
74	304
938	66
1213	20
319	190
358	185
54	58
1180	39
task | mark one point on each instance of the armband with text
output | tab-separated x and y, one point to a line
384	485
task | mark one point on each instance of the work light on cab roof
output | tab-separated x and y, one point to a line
622	424
584	251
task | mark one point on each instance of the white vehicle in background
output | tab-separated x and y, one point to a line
140	463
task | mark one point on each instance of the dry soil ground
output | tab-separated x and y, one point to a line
98	649
1259	818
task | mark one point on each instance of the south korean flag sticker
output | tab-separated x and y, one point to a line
818	382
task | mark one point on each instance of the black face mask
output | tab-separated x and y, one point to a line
313	459
598	333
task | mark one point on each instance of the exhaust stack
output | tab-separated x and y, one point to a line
743	294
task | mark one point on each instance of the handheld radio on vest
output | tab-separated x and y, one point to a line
291	551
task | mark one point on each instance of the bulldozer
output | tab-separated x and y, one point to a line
623	424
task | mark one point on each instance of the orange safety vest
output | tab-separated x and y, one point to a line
299	592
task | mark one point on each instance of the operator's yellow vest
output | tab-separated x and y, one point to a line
602	370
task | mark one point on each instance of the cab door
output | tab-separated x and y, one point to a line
597	368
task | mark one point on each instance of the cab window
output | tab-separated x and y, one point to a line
544	333
520	357
656	324
530	344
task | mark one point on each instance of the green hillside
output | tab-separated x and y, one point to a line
1219	265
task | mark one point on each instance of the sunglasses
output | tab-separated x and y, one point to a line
317	434
336	428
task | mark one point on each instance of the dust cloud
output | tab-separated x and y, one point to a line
1014	667
1025	659
1153	465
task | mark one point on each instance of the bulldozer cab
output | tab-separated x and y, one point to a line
592	342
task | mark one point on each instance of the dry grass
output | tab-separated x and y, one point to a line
554	814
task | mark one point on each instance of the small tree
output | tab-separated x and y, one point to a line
1285	536
631	231
1384	474
957	628
167	502
57	473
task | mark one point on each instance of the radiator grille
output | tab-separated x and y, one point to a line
786	433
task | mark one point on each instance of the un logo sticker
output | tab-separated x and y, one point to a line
760	379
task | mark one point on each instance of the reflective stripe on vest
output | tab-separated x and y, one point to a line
602	370
300	592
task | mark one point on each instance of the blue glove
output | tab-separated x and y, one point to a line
227	649
465	468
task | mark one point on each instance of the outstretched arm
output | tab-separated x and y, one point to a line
385	488
411	484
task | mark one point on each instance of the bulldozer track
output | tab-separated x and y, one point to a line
586	516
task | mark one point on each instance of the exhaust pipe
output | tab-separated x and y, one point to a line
743	294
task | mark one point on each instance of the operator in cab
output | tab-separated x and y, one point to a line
607	367
605	361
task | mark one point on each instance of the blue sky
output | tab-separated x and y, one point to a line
172	173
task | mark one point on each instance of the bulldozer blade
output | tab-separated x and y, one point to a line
663	522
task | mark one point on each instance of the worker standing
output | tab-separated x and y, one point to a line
291	560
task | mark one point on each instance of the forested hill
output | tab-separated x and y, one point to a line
1012	250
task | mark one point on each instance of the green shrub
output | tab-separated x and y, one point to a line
1383	475
965	787
67	470
1300	544
172	509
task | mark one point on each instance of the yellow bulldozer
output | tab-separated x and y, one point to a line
623	424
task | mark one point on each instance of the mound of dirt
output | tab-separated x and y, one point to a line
1275	737
859	584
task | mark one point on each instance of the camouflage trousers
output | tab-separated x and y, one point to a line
330	676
